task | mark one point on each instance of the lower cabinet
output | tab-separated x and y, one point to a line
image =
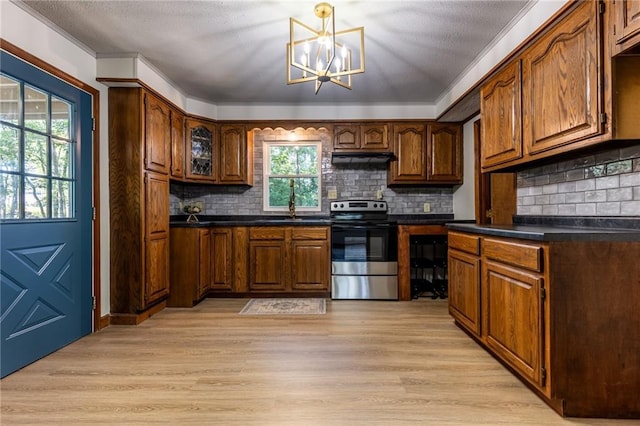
190	265
289	259
559	314
247	260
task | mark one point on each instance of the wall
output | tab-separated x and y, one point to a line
360	182
464	203
602	184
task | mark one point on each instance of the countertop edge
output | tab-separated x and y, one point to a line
548	233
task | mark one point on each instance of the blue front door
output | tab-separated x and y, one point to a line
45	213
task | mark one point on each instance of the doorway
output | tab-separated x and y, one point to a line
46	211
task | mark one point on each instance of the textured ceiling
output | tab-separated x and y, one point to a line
234	51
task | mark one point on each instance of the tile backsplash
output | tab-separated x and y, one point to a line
602	184
354	181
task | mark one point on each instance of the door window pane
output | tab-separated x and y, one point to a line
36	111
61	159
10	96
9	196
36	200
9	148
61	196
36	153
60	118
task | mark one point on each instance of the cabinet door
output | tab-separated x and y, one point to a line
627	24
310	258
156	283
157	117
200	151
561	95
409	147
268	266
374	137
514	319
501	124
346	137
444	153
222	253
204	271
464	290
177	144
233	155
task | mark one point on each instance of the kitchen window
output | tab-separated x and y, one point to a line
285	162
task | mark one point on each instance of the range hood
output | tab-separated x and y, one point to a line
361	157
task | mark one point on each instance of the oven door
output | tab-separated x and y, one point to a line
364	242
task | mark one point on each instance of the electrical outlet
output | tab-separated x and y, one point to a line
379	194
427	207
332	192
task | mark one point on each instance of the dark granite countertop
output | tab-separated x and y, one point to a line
180	221
549	232
421	219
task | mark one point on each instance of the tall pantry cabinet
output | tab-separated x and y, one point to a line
140	131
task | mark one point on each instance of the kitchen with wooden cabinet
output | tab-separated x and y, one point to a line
549	296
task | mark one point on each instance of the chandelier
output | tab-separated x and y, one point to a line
326	54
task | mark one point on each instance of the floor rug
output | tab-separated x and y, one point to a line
292	306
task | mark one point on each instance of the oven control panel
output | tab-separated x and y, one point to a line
358	206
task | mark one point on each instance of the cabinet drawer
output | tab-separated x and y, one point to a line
464	242
310	233
267	233
513	253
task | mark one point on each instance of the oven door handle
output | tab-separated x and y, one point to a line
371	226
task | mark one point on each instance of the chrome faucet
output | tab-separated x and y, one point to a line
292	200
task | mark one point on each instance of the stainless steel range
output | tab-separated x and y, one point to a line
364	251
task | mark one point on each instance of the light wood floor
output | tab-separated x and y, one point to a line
363	363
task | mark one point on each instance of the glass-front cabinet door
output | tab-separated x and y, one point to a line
200	152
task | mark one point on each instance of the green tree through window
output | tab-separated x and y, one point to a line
297	161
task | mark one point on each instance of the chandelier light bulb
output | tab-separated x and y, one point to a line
307	48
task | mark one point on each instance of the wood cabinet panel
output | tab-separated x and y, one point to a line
561	81
156	283
464	242
200	151
444	153
464	290
267	232
177	144
374	137
501	125
234	155
204	269
268	266
627	24
409	147
346	137
513	318
222	258
157	131
513	253
310	265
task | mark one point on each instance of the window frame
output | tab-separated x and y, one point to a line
266	174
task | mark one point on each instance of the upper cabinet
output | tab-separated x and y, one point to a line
501	125
200	150
410	149
365	136
157	123
563	92
426	154
235	155
444	153
626	25
561	82
177	144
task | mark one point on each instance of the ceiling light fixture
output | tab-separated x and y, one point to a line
326	54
